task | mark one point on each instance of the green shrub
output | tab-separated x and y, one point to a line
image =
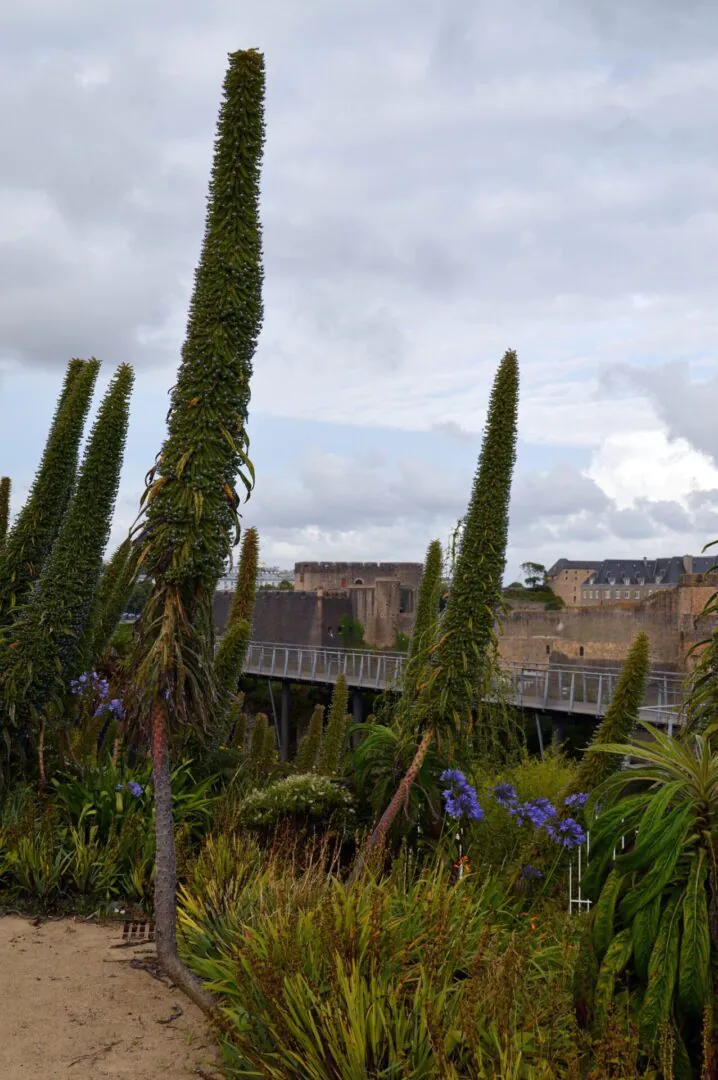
303	799
408	977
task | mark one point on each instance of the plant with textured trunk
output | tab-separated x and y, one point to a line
703	697
190	505
29	542
46	649
4	507
463	660
620	719
333	743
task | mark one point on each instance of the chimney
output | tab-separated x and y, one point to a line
688	564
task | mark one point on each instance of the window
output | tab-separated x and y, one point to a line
590	594
627	594
406	601
548	650
650	592
617	594
580	651
358	581
637	594
585	594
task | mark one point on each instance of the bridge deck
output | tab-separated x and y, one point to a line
581	691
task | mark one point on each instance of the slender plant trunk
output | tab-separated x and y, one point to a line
166	873
399	799
41	758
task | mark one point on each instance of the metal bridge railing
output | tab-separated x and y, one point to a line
586	690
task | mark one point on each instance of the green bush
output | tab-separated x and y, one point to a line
303	799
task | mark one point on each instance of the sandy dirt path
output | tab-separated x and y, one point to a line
72	1008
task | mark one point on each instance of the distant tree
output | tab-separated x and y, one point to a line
351	632
286	586
534	575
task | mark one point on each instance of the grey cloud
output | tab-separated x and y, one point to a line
687	407
558	493
455	431
631	524
481	166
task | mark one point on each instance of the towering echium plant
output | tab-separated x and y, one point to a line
111	597
47	637
4	507
467	641
424	634
334	739
620	719
35	529
310	746
232	651
466	647
191	506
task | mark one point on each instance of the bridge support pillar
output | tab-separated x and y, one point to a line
284	722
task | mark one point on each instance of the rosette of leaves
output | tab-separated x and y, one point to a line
654	924
304	799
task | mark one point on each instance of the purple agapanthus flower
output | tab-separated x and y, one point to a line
568	833
504	795
530	873
134	788
460	798
576	802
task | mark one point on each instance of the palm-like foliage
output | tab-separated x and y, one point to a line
378	764
655	921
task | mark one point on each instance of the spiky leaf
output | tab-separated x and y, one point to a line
617	956
694	968
662	975
604	912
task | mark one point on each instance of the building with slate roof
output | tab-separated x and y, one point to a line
627	580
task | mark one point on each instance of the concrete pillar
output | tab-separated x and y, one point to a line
558	732
284	722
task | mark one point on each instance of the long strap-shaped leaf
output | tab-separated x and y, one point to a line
694	967
662	973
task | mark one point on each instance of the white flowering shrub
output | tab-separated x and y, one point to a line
305	797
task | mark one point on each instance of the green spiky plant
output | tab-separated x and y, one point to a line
46	651
654	925
310	746
111	597
190	505
465	653
620	719
424	634
4	507
335	737
29	542
232	651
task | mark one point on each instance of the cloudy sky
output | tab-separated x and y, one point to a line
441	182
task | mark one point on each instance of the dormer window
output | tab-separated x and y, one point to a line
659	577
640	580
611	579
626	579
